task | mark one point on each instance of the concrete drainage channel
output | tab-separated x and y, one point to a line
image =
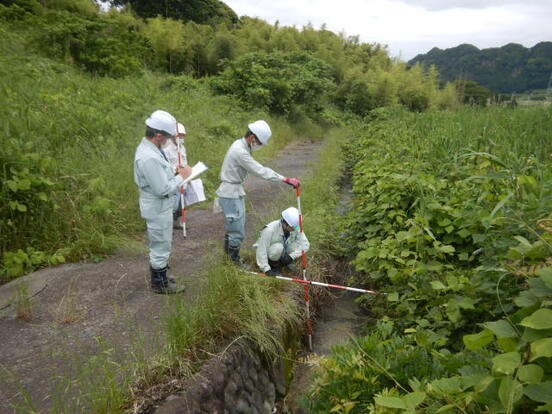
239	381
243	381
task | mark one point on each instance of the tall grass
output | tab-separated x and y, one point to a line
509	134
66	164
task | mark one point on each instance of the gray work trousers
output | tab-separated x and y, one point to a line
234	219
160	239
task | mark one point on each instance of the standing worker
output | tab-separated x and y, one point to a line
231	194
280	243
158	184
171	151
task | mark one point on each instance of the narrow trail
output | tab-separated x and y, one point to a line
81	310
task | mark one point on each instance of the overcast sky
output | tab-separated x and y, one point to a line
410	27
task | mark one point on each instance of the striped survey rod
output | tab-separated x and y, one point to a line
304	265
182	206
315	283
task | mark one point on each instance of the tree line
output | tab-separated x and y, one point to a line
286	70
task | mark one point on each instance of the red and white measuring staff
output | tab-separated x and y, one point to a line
182	189
304	265
312	282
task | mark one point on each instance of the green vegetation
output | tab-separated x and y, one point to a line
445	222
199	11
233	305
444	211
69	132
510	68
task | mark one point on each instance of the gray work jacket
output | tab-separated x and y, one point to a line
155	178
237	163
274	233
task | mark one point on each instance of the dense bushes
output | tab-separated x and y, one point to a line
292	70
55	116
444	221
284	84
66	158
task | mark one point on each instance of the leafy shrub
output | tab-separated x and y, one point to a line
442	223
281	83
354	373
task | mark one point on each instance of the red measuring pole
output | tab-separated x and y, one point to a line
182	206
304	265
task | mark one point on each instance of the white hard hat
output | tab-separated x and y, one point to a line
180	129
162	121
261	130
291	217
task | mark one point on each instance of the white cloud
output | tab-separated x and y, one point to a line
415	27
467	4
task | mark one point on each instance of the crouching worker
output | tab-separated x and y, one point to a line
280	243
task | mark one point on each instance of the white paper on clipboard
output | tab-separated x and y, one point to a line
194	192
196	170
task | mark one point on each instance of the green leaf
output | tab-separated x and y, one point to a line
541	348
530	373
509	392
508	344
478	340
546	275
393	297
42	196
12	185
506	363
391	402
526	299
21	207
501	203
541	319
464	233
532	335
447	249
437	285
501	329
539	392
413	399
465	303
24	184
539	288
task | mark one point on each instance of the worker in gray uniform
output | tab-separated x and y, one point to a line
280	243
231	194
158	184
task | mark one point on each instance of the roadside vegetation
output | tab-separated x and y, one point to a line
451	219
79	82
233	306
447	214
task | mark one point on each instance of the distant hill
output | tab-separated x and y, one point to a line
510	68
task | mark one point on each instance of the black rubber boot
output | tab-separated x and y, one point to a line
234	253
160	283
276	265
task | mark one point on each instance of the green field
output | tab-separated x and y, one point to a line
445	221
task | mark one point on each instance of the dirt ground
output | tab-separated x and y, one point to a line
82	310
